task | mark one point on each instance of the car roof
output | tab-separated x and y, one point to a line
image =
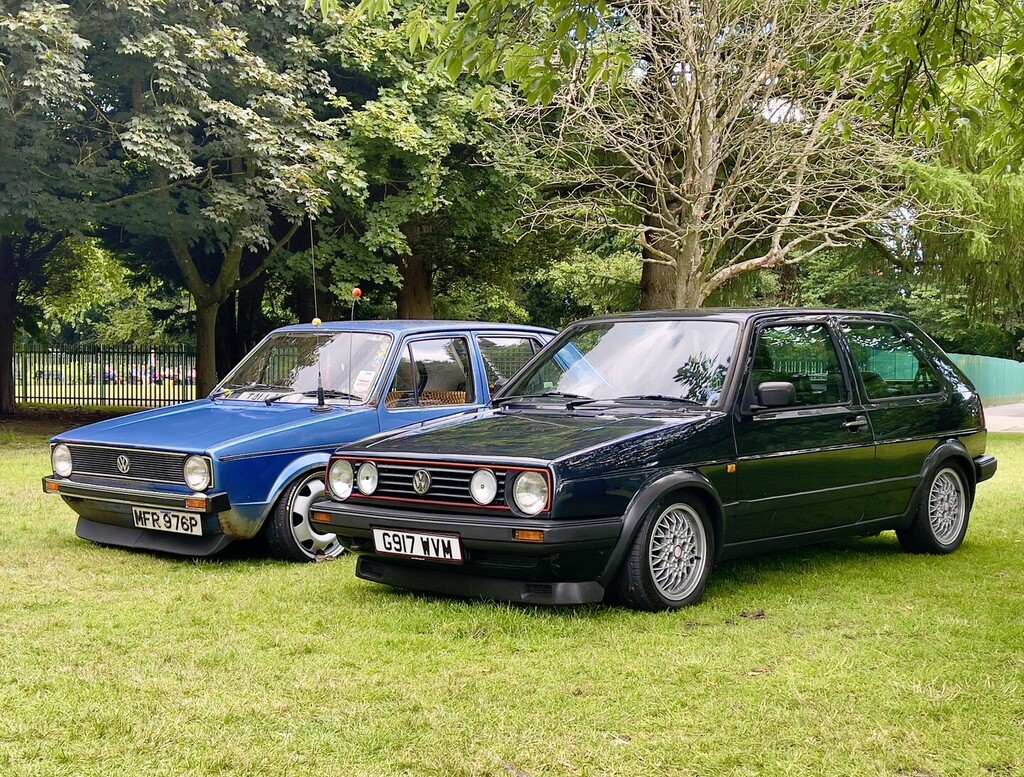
414	326
738	315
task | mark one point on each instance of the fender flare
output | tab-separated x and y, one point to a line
303	465
651	492
943	452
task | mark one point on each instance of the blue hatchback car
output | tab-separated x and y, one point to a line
250	458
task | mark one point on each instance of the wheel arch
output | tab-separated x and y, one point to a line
296	468
950	451
686	482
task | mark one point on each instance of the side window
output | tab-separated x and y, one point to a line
433	373
804	355
504	356
888	365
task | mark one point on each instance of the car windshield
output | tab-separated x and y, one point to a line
678	361
284	368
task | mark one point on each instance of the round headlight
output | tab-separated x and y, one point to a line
197	473
367	478
530	492
340	477
483	486
60	458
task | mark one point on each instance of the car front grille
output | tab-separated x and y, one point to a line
446	484
152	466
449	482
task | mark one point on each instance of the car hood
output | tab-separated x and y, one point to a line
214	427
522	436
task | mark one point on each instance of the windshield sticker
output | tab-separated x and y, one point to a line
363	381
258	396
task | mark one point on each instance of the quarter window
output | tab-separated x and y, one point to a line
504	356
889	366
804	355
433	373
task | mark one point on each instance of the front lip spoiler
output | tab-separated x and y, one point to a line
216	502
377	570
144	539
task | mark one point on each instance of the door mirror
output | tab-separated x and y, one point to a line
775	394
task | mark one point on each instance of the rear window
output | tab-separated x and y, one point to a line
889	365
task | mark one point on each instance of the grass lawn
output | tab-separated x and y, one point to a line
850	658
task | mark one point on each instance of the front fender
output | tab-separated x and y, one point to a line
246	520
653	490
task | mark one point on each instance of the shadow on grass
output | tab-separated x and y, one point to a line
835	560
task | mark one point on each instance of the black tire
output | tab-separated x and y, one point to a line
288	533
942	514
676	538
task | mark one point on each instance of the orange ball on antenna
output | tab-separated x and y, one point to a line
357	292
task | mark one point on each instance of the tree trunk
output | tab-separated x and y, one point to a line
206	348
8	298
657	286
227	336
689	291
249	322
416	297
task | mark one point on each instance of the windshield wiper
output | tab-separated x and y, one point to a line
661	398
328	394
540	395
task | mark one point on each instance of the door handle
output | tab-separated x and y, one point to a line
855	424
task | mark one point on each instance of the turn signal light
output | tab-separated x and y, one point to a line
50	486
321	517
196	504
528	535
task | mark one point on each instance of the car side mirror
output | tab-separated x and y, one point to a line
772	394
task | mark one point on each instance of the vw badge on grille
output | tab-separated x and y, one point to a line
421	482
123	465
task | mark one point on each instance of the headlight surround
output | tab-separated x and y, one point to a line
530	492
483	486
197	473
366	478
60	459
340	478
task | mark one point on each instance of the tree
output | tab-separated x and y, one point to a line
734	145
45	164
229	140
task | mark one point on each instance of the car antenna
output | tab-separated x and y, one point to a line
356	294
321	406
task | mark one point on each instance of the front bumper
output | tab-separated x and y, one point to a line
563	569
105	516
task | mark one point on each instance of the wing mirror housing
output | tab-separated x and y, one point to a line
772	394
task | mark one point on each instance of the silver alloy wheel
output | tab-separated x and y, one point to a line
677	554
947	505
309	541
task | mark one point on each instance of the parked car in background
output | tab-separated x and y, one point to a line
191	478
637	450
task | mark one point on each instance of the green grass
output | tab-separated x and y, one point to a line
866	661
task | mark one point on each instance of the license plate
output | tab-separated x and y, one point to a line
414	544
167	520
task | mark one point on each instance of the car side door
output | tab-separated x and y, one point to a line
434	375
907	402
805	455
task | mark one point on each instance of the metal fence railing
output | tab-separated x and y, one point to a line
121	375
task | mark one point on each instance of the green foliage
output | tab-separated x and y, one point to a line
91	298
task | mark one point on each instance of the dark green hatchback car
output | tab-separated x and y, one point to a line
635	451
